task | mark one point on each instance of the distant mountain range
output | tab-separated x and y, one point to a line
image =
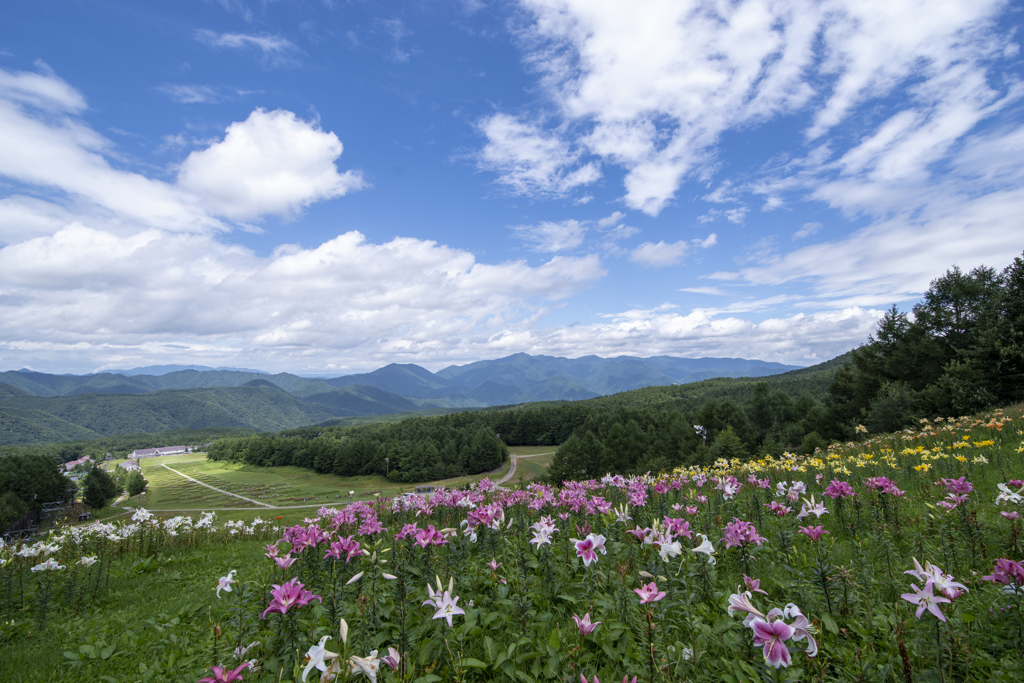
37	406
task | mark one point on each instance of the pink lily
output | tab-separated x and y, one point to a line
392	659
288	595
649	593
773	637
585	626
813	532
222	675
753	585
589	547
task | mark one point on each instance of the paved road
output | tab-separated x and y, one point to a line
227	493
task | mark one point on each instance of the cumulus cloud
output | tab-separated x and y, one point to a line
344	298
110	265
271	163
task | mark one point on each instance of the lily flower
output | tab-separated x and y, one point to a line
392	659
649	593
810	507
88	561
585	626
447	607
706	548
285	562
222	675
773	636
288	595
939	579
925	599
670	550
48	566
802	628
316	656
813	532
753	585
224	583
367	666
740	602
589	547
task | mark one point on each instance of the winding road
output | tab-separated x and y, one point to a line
512	469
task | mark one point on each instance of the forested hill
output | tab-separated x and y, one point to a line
37	407
28	419
649	428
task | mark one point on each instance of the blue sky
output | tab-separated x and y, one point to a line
329	186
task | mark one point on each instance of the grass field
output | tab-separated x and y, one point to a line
292	493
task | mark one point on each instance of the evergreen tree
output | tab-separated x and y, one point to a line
136	483
98	488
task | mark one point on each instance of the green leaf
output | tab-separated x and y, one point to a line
429	678
70	655
968	617
491	650
475	663
830	623
554	642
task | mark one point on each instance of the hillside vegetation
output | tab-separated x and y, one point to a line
83	407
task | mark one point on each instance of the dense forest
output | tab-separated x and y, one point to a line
408	451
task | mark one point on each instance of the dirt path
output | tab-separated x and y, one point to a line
512	469
227	493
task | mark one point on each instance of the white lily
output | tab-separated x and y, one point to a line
224	583
368	666
48	566
707	549
316	656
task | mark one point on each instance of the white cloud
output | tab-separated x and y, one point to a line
116	267
654	90
611	220
191	94
895	259
530	160
800	339
807	230
273	50
345	299
661	254
271	163
548	236
737	215
713	291
43	90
